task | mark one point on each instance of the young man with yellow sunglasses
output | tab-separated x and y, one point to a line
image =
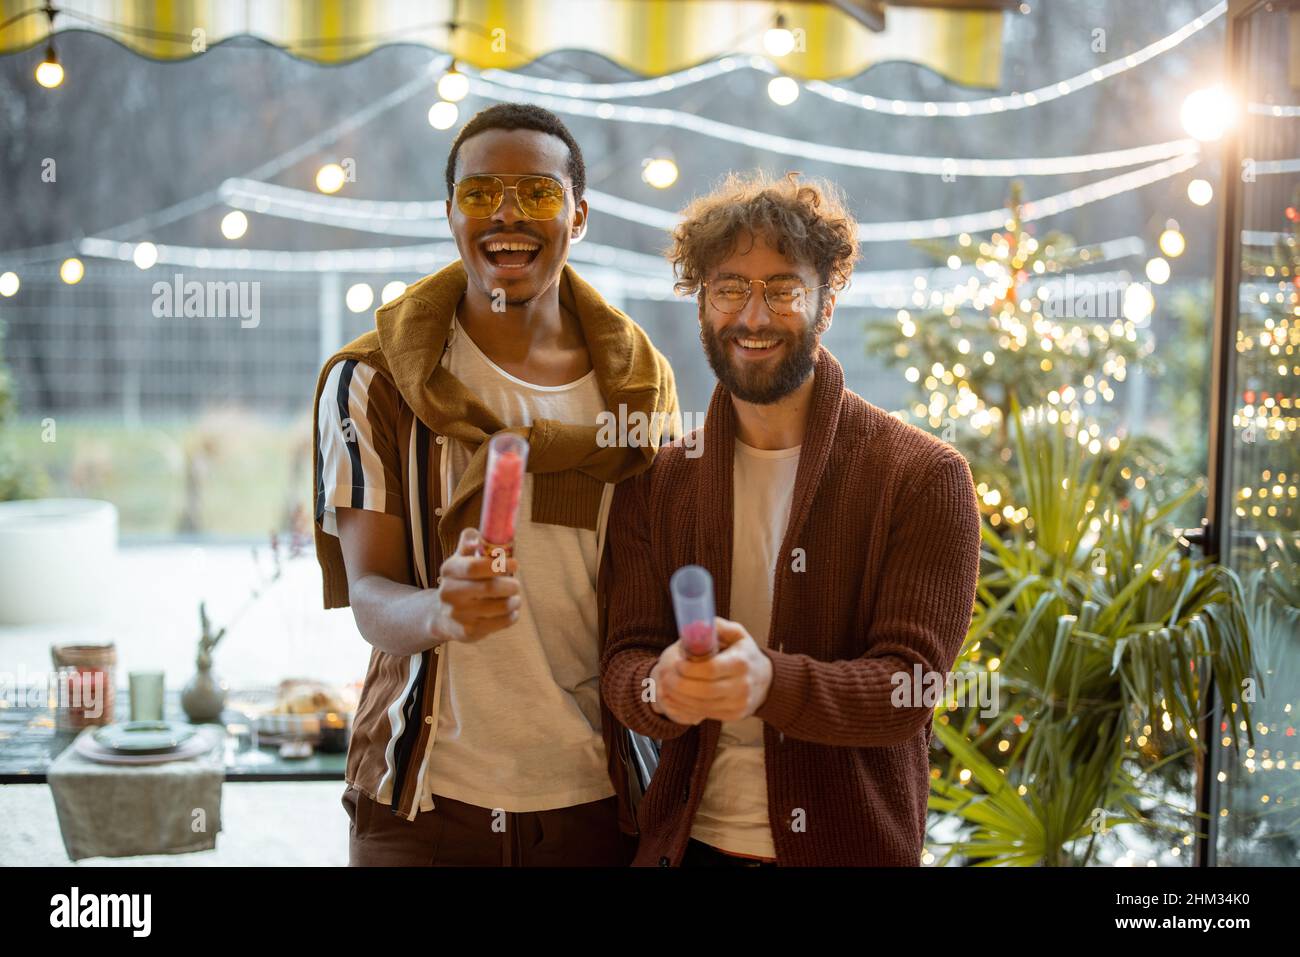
481	737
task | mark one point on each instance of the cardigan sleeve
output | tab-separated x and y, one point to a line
640	623
923	606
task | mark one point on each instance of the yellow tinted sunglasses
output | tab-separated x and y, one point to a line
539	197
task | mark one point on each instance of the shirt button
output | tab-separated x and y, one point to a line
438	440
437	510
428	719
439	579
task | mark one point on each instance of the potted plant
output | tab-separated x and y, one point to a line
1104	635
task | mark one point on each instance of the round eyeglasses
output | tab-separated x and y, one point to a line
785	297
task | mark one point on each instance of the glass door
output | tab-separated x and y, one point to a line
1251	792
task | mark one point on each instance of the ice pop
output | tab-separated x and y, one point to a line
692	590
507	459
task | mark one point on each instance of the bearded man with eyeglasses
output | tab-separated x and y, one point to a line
844	550
480	737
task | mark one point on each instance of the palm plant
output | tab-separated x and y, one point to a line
1103	635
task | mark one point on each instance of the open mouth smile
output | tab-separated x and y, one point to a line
755	347
510	254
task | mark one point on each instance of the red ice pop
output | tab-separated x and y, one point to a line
692	591
507	459
699	639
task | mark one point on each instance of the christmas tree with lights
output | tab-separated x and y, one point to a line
1267	410
1022	326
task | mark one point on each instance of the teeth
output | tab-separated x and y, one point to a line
501	247
757	343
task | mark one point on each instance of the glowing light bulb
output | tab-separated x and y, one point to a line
71	271
49	73
330	178
783	90
9	284
1138	302
443	115
359	297
1158	270
1209	113
778	41
145	255
1172	243
234	224
453	86
660	172
1200	192
391	291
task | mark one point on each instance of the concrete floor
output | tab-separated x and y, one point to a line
263	825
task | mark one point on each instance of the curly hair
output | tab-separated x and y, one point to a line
805	221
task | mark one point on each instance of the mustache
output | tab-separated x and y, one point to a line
779	335
515	230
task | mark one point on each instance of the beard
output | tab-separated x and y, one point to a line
761	386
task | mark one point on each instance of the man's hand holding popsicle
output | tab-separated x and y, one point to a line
715	669
474	600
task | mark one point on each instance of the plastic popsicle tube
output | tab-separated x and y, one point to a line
502	487
692	591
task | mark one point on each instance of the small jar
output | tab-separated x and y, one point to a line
85	685
333	733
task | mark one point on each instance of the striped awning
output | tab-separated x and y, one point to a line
960	39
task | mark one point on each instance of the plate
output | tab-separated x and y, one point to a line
144	737
198	745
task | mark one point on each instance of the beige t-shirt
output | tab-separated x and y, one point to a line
733	809
519	711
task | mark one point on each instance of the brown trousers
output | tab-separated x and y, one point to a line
455	834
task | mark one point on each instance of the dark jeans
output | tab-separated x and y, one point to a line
455	834
699	854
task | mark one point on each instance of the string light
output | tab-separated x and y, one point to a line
635	89
234	224
453	86
391	291
1157	271
49	72
778	41
330	178
443	115
9	284
422	218
71	271
1138	304
660	172
360	297
145	255
1200	192
1208	113
840	155
1172	242
782	90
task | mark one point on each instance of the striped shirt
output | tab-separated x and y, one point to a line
517	717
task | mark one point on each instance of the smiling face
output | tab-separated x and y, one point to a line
759	355
507	251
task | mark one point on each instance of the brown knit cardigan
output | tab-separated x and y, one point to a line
887	521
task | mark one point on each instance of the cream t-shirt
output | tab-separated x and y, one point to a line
519	711
733	809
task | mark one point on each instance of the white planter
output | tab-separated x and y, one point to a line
57	559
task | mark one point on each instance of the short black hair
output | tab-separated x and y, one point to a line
520	116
